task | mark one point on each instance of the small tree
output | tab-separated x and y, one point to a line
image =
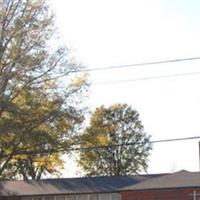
126	145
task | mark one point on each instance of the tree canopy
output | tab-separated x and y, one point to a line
114	143
41	92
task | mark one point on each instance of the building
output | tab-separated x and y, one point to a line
182	185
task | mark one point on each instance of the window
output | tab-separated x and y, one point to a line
59	197
81	197
11	198
115	196
93	197
32	198
48	198
37	198
26	198
70	197
104	196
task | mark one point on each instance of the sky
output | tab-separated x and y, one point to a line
120	32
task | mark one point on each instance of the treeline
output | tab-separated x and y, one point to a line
42	93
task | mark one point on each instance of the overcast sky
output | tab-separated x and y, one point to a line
116	32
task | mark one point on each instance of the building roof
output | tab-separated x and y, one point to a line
181	179
70	185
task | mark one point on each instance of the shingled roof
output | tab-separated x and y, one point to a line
70	185
181	179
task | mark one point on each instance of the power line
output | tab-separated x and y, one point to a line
147	78
34	152
138	64
133	143
176	139
142	79
134	65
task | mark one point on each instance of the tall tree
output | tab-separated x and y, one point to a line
113	128
40	93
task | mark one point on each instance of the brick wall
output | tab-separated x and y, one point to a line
170	194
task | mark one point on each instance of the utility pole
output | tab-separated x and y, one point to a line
199	155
